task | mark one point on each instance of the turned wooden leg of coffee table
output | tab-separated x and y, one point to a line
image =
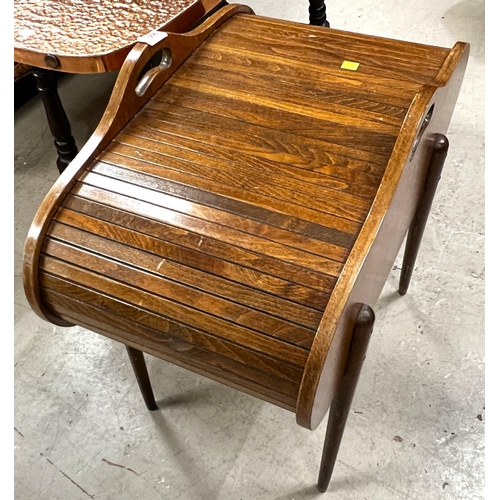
56	117
317	13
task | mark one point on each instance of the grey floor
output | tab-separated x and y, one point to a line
416	429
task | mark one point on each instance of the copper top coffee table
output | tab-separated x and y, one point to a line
77	36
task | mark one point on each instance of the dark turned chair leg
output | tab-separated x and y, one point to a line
56	116
317	13
416	231
141	374
339	411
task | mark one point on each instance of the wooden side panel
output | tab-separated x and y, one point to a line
373	254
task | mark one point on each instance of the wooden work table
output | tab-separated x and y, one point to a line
240	206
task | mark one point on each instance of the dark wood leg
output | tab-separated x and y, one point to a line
56	116
317	13
339	411
416	231
141	374
202	19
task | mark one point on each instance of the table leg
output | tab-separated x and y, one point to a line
141	374
317	13
416	231
202	19
339	411
56	117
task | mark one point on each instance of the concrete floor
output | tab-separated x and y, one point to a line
82	430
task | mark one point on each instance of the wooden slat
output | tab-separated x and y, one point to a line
256	202
200	217
204	253
259	73
267	180
339	168
230	115
178	313
154	260
284	112
338	177
231	172
139	214
243	377
184	296
295	71
275	95
189	256
281	147
171	333
422	54
329	52
360	143
237	200
243	209
313	96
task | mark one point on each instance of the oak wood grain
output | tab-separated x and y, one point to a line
313	96
180	248
155	261
123	105
379	241
260	270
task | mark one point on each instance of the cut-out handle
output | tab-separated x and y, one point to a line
423	127
149	76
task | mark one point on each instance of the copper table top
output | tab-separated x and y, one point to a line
88	36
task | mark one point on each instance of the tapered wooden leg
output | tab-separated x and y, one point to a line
317	13
141	374
416	231
339	411
56	117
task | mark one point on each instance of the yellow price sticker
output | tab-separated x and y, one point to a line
351	65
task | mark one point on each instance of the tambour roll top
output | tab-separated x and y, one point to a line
212	229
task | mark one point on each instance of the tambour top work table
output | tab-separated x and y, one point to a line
241	204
